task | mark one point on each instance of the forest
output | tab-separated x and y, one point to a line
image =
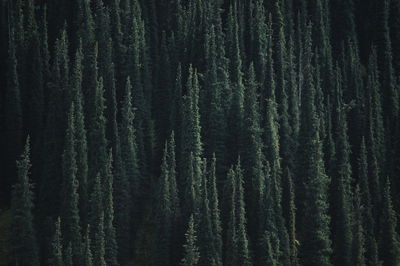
200	132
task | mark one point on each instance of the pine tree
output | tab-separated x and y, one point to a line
371	249
24	245
111	249
68	261
191	146
70	214
341	183
97	142
191	253
80	135
314	221
164	210
235	117
215	212
237	243
389	245
96	219
358	232
253	158
87	252
57	248
289	213
12	114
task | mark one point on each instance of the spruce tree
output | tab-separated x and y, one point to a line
111	249
24	245
215	212
312	200
70	214
57	248
237	243
358	252
12	115
191	251
164	213
389	238
191	146
87	249
80	135
96	219
371	249
341	183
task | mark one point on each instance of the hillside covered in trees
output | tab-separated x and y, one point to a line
200	132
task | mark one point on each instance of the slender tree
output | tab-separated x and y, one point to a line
192	254
24	245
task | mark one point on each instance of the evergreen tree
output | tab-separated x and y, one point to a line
191	146
341	183
358	232
389	245
80	135
111	249
57	248
235	117
12	115
88	259
215	212
129	154
70	214
96	219
237	245
24	245
312	197
371	249
192	254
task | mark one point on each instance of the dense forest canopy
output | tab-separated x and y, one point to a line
200	132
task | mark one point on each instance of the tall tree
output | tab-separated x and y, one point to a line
57	248
389	244
24	245
12	116
70	198
341	183
313	202
80	135
371	248
192	254
111	248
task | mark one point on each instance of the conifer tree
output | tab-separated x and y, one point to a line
358	251
87	249
312	200
341	183
389	245
24	245
80	135
237	243
68	261
371	251
111	249
12	113
191	253
164	210
96	219
97	142
215	212
235	117
57	248
70	214
253	158
191	146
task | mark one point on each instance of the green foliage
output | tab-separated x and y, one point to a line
191	253
24	245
